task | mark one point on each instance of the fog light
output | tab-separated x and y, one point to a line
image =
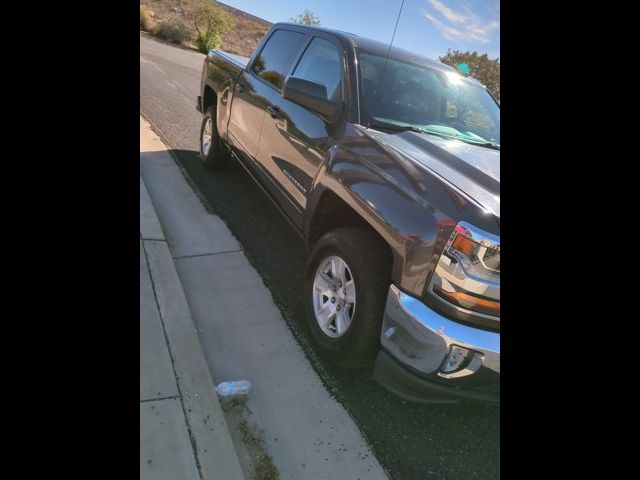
455	359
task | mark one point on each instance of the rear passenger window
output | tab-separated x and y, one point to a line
274	60
321	64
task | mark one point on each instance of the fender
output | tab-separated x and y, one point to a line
409	227
412	209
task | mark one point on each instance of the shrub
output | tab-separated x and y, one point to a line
173	31
145	18
306	18
211	23
208	42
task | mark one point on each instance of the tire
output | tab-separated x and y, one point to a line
211	153
368	263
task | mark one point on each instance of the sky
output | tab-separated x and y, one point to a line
426	27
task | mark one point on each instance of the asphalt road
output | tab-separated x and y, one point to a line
412	441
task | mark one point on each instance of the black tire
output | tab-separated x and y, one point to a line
368	259
215	158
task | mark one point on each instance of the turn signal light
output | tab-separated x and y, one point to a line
469	301
463	244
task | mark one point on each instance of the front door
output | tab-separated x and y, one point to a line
294	140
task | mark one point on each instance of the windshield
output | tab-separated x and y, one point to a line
437	102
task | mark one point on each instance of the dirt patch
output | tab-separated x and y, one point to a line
248	439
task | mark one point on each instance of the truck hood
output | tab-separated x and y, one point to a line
472	169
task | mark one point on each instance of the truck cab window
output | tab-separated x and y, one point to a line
274	60
321	64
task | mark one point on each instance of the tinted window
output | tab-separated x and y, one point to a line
274	60
321	64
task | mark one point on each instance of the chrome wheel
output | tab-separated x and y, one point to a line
334	296
207	136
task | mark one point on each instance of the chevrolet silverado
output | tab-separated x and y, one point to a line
388	164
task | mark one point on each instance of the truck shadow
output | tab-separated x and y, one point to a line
455	441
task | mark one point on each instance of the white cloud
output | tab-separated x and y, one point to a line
461	24
447	13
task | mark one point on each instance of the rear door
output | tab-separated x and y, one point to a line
261	76
294	140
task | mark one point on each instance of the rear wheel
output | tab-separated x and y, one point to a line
347	283
211	151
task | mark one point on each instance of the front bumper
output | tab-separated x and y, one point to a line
416	340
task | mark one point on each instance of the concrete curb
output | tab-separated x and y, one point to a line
210	438
150	228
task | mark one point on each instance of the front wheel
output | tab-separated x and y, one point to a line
347	283
210	149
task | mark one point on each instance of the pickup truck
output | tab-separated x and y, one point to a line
388	164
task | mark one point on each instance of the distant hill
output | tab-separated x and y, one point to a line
240	13
242	40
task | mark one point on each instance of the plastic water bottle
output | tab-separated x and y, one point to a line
240	387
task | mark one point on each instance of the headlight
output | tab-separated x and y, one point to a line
468	272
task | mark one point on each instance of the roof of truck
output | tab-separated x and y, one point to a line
375	46
379	48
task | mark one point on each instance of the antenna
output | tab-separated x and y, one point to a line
392	39
384	67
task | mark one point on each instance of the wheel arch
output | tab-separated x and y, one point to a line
209	98
330	211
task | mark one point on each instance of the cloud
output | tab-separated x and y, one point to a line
461	24
447	13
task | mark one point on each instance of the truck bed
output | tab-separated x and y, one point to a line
237	60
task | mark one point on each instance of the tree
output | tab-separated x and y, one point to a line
481	67
307	18
212	23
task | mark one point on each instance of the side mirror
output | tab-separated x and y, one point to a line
310	95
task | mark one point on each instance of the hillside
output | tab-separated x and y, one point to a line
242	40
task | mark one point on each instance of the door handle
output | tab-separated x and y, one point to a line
273	111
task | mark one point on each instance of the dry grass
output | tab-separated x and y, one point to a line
260	463
266	470
250	437
254	440
237	402
242	40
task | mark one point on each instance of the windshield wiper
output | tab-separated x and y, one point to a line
492	145
463	138
413	128
495	146
393	126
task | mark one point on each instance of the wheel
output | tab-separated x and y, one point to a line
211	152
347	283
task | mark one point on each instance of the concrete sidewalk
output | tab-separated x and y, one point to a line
183	433
305	430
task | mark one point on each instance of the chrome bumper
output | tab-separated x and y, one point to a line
419	340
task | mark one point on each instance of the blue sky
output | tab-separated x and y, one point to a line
427	27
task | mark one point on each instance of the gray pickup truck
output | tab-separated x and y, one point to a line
388	164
